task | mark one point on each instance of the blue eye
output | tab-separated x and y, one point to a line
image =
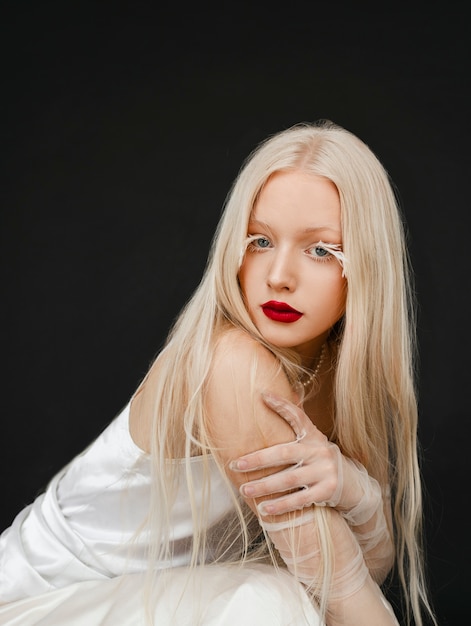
256	243
262	242
320	252
325	252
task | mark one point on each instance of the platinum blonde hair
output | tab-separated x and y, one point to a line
375	395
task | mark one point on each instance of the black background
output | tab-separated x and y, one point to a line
122	128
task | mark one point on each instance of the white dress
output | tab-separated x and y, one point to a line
66	558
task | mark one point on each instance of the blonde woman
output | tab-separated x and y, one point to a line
265	471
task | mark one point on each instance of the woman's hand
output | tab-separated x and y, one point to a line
318	473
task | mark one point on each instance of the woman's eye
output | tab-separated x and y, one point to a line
324	252
257	242
319	252
262	242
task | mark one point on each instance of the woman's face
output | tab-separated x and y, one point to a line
292	285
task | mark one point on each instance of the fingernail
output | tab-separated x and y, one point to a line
237	465
265	509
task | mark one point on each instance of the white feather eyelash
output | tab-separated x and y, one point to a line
335	250
247	242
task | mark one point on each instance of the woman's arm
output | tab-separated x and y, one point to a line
354	597
240	422
321	475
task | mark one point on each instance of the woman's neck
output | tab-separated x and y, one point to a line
320	403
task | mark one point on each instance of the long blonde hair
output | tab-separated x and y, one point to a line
375	395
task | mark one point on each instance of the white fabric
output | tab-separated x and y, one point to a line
65	559
80	528
223	596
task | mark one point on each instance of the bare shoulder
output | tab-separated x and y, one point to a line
238	420
234	346
240	362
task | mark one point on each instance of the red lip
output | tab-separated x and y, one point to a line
281	312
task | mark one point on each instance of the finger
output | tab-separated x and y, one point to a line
294	415
274	456
287	480
295	501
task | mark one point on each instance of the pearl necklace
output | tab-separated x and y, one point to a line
314	373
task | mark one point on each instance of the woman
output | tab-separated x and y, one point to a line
289	371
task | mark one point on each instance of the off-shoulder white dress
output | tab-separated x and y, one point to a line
74	557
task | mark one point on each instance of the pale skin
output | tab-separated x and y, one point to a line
250	404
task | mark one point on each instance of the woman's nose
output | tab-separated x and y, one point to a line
281	273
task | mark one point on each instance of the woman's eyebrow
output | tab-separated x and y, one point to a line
253	220
323	228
